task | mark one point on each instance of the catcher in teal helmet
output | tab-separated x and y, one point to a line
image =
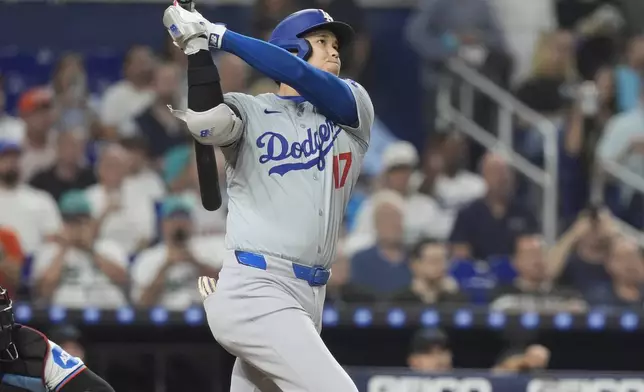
31	362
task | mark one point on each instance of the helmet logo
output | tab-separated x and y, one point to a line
326	16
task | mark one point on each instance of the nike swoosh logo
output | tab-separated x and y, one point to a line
271	111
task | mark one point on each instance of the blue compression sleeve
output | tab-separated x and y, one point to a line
325	91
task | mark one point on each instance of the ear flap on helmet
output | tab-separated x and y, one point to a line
299	45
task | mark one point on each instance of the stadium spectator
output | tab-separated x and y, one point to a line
598	110
180	175
384	268
176	168
553	69
11	128
443	28
577	260
523	22
156	124
534	358
70	170
141	176
490	225
625	265
628	76
124	100
468	30
430	282
432	166
124	215
69	338
11	260
585	121
172	54
456	187
31	213
622	143
233	71
165	274
39	139
79	270
422	215
340	289
533	289
71	94
598	26
577	142
430	351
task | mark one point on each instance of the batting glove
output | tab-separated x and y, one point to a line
206	286
215	31
190	31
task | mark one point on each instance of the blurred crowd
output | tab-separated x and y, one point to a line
100	203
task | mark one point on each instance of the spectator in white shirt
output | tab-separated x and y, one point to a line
129	97
32	214
166	274
456	187
78	270
126	216
422	215
142	177
39	139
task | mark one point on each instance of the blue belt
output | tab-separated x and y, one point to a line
315	276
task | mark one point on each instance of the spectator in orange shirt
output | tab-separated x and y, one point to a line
11	259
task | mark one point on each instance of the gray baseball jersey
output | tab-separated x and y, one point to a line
291	174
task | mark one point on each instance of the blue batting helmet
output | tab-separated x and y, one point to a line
289	33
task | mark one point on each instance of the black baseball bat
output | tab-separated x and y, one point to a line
205	155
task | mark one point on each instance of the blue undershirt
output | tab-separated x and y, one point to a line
328	93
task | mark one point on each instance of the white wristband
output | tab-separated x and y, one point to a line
216	33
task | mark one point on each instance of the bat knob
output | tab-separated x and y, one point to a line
186	4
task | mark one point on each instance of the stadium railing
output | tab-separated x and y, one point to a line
623	175
471	82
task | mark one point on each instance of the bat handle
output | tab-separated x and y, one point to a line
186	4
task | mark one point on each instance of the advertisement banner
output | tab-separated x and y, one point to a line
382	380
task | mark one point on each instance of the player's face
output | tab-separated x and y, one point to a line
326	55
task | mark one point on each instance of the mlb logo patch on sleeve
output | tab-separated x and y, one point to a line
63	359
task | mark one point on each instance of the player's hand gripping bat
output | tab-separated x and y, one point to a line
206	163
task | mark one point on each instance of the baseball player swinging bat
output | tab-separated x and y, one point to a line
293	159
199	100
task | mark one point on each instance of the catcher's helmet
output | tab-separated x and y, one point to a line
8	350
289	33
